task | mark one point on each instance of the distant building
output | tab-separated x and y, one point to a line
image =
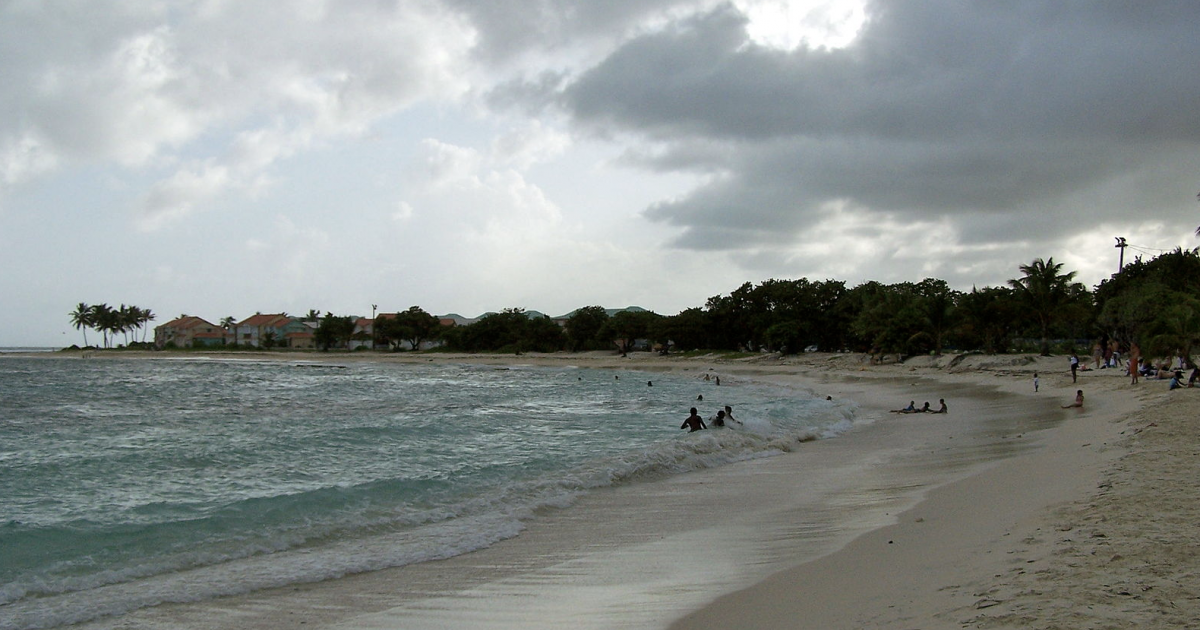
273	330
188	331
364	332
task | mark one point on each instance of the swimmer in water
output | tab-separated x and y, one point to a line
694	422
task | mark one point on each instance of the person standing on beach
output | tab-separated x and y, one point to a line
1074	366
1035	382
1135	363
694	422
1078	400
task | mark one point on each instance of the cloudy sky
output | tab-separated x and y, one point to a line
222	157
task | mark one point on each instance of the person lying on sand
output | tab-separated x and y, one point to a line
1078	400
911	408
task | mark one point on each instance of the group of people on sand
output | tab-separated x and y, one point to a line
912	407
1138	366
695	423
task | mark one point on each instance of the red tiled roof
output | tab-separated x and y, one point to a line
187	321
262	319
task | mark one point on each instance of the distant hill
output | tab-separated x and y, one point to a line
466	321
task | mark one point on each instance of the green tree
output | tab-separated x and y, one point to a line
144	317
1047	294
512	330
1176	329
415	326
104	320
1149	302
584	326
687	331
229	323
626	327
333	331
988	318
82	318
939	306
892	319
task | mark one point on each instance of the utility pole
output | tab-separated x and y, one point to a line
1121	246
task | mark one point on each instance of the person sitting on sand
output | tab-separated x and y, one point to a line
943	408
694	422
1177	380
911	408
1078	400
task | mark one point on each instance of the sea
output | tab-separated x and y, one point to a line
128	483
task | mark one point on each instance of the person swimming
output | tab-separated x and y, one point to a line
694	422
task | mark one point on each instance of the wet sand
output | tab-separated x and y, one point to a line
926	521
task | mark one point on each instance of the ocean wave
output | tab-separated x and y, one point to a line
495	473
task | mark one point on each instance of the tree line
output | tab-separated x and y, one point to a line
110	322
1152	303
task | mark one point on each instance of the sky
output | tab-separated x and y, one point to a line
221	158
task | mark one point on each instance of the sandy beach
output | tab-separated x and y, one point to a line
1068	518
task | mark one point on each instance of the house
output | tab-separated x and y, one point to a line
364	332
188	331
301	340
276	330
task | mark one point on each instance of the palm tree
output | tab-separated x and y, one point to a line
127	317
228	324
99	321
1045	291
83	318
145	316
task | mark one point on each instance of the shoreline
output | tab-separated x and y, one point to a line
980	550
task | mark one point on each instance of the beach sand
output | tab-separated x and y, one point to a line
1008	512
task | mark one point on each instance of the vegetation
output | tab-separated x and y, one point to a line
1154	304
110	322
413	327
510	330
333	331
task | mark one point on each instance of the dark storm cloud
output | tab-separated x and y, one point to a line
939	109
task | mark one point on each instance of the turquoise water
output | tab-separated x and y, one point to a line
128	483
